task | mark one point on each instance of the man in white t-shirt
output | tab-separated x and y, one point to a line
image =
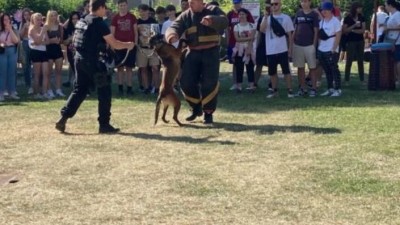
381	18
277	48
393	31
328	49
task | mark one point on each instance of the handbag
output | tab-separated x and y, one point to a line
277	27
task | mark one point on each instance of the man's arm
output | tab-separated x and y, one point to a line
115	44
176	29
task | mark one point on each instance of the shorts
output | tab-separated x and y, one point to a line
146	57
130	60
304	54
38	56
274	60
54	52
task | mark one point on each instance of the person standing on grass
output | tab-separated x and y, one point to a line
304	47
328	49
202	26
233	18
8	59
27	65
377	26
37	43
278	48
145	56
261	55
354	27
55	33
392	30
90	43
243	54
124	28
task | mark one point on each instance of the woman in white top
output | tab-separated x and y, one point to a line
8	57
243	52
37	42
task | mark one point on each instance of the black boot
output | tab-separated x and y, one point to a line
208	118
108	129
196	112
60	125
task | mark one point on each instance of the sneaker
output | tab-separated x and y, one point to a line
301	93
290	94
38	97
14	96
108	129
60	93
233	88
336	93
327	92
312	93
251	89
196	112
5	94
30	91
50	94
47	96
272	94
208	118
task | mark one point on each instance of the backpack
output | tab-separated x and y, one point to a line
277	28
80	38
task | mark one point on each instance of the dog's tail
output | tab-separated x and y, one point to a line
158	103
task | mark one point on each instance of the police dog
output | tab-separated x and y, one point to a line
171	58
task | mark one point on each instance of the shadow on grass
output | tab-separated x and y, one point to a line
268	129
184	139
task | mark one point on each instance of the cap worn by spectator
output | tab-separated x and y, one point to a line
327	6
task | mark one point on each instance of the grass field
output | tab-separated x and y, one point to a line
278	161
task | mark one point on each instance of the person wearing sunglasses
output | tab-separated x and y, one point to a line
278	46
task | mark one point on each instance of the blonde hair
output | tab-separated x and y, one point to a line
48	16
33	16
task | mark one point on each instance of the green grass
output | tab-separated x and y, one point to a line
278	161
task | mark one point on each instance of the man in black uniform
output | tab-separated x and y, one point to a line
89	70
201	26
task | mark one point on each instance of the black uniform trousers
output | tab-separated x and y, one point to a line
200	78
83	82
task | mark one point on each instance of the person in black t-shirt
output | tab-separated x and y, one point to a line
354	27
88	67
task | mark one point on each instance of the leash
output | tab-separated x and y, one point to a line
147	55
